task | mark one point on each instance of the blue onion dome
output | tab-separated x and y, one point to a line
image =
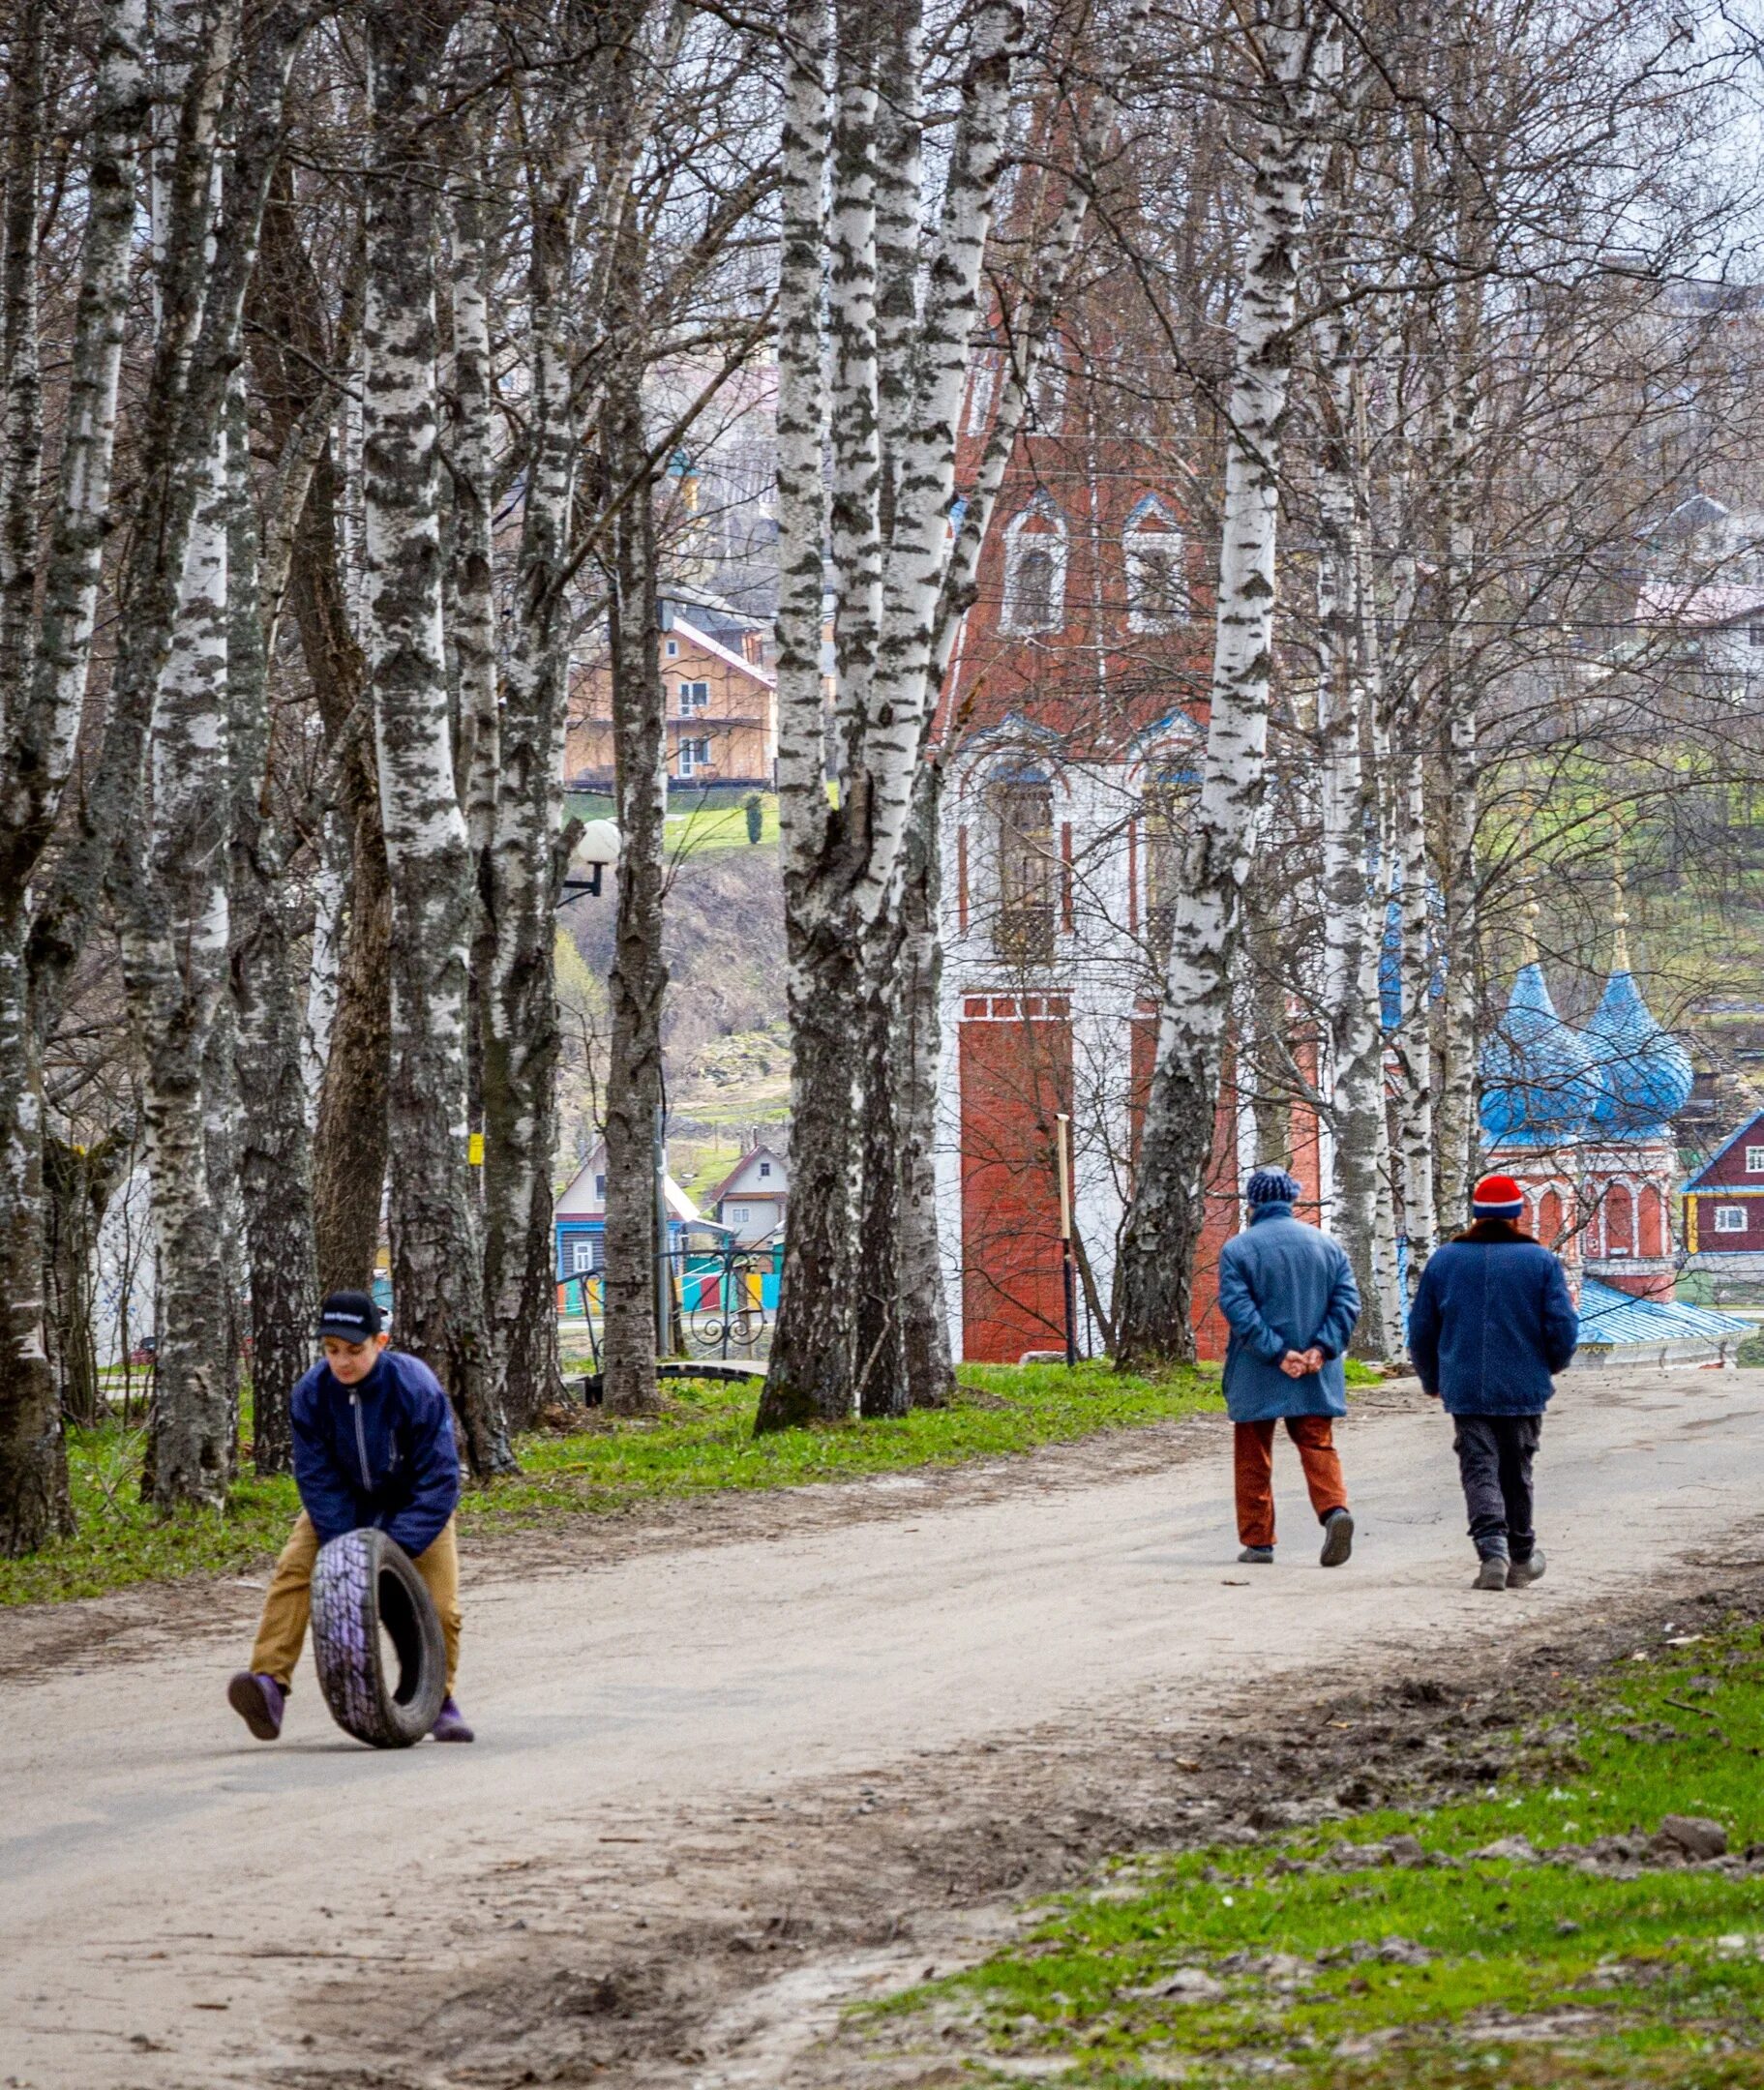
1647	1072
1541	1082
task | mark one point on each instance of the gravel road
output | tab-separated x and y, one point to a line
184	1907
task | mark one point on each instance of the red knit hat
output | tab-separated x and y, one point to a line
1497	1197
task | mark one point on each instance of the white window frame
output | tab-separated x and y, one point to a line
1165	542
1754	1160
738	1215
695	753
695	697
584	1262
1020	540
1730	1219
765	1168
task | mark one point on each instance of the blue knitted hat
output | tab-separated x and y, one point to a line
1273	1187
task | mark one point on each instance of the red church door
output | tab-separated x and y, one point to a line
1016	1075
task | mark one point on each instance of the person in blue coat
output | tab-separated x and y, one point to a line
1491	1325
373	1445
1288	1292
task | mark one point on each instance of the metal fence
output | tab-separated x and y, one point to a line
722	1302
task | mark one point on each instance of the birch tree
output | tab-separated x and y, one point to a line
520	1031
42	678
170	882
436	1261
1298	52
842	863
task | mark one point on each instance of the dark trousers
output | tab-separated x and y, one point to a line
1495	1453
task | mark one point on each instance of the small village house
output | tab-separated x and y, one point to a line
750	1201
580	1221
721	713
1724	1205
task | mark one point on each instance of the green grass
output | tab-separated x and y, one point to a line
706	1442
1670	1964
719	823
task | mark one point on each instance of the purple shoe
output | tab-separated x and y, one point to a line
450	1723
259	1701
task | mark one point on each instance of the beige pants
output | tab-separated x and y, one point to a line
281	1630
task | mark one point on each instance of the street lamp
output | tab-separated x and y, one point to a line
596	848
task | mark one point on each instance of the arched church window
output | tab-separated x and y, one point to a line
1619	1221
1028	866
1166	821
1034	569
1549	1218
1156	555
1653	1223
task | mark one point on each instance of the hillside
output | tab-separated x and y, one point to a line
724	1047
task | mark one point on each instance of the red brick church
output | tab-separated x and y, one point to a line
1077	711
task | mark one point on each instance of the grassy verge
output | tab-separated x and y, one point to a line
695	825
1331	1956
706	1442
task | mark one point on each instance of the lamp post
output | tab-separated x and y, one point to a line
596	847
1062	1135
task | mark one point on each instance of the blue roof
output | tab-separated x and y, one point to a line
1647	1072
1610	1316
1540	1079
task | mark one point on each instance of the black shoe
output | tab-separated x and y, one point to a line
1493	1572
1337	1538
1257	1556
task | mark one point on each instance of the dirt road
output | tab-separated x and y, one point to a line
182	1906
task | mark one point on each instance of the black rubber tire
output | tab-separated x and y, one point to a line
361	1582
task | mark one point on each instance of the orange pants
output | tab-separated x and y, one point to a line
1255	1464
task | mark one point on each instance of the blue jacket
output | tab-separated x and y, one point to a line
1492	1322
380	1453
1284	1286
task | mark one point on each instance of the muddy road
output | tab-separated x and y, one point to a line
736	1770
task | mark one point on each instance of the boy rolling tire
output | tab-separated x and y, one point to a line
380	1479
366	1593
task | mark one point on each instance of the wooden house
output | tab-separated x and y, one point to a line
722	713
751	1199
580	1219
1724	1205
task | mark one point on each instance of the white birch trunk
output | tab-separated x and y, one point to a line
330	893
176	940
1355	1044
1459	761
437	1269
521	1038
1164	1223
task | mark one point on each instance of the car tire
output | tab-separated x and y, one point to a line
366	1593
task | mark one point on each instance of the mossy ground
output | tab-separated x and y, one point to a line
704	1443
1505	1973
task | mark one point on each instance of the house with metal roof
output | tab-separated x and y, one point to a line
1724	1205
